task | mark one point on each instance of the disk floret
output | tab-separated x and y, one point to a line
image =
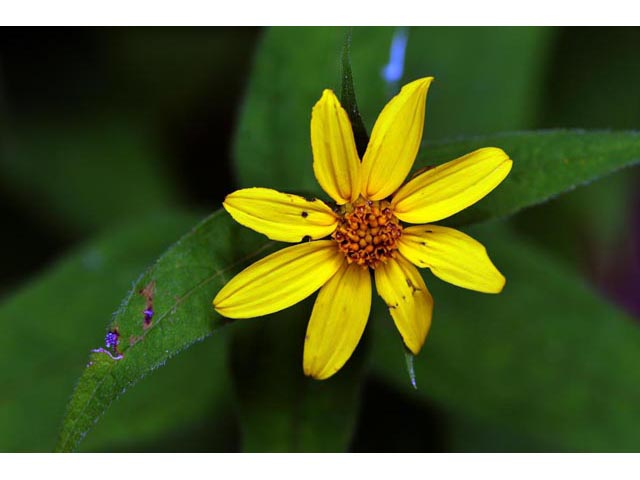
368	232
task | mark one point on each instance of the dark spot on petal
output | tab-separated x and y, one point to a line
413	288
304	214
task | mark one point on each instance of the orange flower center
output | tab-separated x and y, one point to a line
368	232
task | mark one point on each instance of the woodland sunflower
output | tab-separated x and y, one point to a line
367	231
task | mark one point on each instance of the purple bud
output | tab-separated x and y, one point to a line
111	339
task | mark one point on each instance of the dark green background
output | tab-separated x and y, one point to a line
110	135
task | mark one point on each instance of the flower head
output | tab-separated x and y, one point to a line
369	230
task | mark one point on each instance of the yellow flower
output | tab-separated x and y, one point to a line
366	231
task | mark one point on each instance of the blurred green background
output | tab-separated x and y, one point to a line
115	142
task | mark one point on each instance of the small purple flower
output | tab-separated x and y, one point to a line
148	315
111	339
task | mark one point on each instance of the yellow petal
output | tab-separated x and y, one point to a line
279	280
452	256
395	141
337	321
402	288
281	216
446	189
335	158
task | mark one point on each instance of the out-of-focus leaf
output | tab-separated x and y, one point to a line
545	164
470	435
398	420
547	357
286	81
595	220
487	79
281	410
184	281
272	143
50	325
90	174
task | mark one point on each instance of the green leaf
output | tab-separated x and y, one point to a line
487	79
185	278
348	99
547	357
50	325
607	95
545	164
